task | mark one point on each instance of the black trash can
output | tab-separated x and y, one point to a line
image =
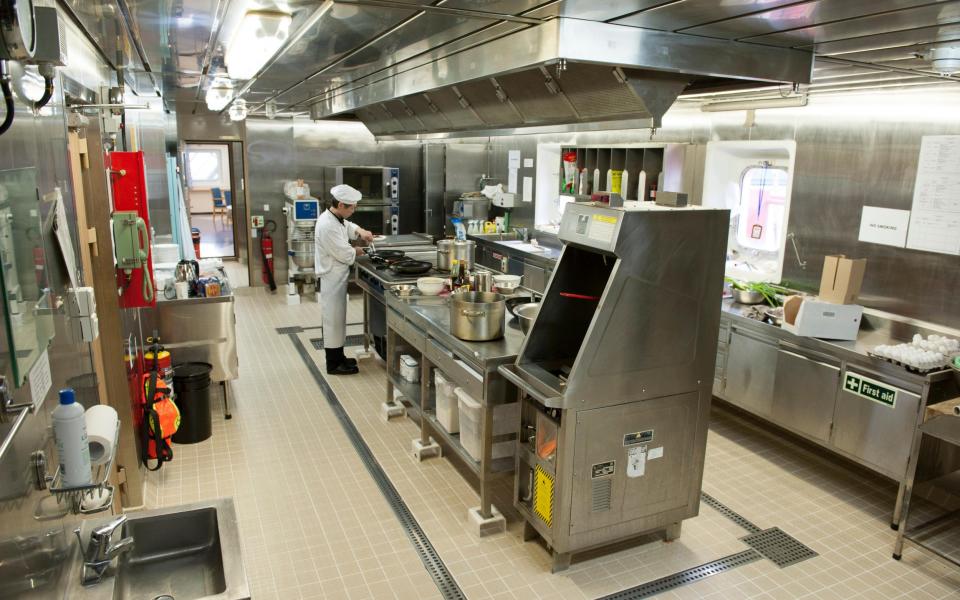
191	384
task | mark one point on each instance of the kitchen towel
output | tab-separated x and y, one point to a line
101	432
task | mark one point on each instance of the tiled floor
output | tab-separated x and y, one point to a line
314	524
216	235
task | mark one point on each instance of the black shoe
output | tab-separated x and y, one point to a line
343	369
350	361
335	356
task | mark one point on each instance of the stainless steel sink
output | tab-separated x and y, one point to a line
188	552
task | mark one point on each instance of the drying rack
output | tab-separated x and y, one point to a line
74	495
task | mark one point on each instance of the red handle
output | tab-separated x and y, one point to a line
579	296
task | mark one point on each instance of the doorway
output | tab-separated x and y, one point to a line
212	196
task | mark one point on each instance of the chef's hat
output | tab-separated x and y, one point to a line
345	194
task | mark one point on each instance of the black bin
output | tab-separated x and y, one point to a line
191	384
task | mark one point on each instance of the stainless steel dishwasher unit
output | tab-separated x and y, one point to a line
615	377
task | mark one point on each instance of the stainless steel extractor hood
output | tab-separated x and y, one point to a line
564	71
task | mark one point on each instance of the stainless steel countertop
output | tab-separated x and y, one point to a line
876	328
188	301
432	314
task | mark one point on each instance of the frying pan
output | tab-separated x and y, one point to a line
408	266
386	256
512	303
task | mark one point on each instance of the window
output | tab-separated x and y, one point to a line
203	167
763	199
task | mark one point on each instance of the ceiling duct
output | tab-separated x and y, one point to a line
564	71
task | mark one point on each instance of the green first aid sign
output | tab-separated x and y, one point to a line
871	389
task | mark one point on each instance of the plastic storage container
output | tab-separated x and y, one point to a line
506	418
409	368
448	412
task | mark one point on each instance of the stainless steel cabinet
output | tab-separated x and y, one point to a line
876	433
805	393
751	368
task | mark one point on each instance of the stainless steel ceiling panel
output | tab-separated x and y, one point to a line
594	10
944	12
504	7
673	16
802	16
419	35
330	40
893	39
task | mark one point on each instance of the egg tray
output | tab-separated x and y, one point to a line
910	368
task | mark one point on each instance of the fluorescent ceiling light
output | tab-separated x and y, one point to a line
238	110
790	102
219	94
260	34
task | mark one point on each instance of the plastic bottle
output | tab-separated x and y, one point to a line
70	432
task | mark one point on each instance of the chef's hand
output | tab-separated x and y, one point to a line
366	236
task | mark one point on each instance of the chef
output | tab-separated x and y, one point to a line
333	256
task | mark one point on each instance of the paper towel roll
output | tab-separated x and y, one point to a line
101	432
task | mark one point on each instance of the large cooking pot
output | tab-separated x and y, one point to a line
301	253
477	316
460	250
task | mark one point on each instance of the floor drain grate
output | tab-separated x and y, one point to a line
350	340
670	582
286	330
726	511
783	549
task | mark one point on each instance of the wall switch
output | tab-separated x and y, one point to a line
266	208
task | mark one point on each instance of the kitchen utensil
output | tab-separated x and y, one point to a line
404	289
580	296
430	286
408	266
450	250
187	270
513	303
507	283
775	315
746	296
477	316
482	281
302	252
526	313
489	227
386	257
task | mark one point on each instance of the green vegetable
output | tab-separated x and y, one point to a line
769	291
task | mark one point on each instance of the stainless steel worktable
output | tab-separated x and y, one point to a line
201	330
419	325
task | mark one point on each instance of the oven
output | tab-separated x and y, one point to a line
379	210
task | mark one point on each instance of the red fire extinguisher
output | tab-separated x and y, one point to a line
266	253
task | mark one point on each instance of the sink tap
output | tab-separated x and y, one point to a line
100	550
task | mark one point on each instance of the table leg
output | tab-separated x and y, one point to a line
226	401
903	500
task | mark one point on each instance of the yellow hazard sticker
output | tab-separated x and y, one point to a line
605	219
543	495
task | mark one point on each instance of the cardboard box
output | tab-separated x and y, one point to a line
815	318
841	279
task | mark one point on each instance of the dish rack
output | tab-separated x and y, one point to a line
75	494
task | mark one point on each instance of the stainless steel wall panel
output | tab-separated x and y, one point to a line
33	551
271	160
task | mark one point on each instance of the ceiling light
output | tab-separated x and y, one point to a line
259	36
238	110
219	94
945	60
789	102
